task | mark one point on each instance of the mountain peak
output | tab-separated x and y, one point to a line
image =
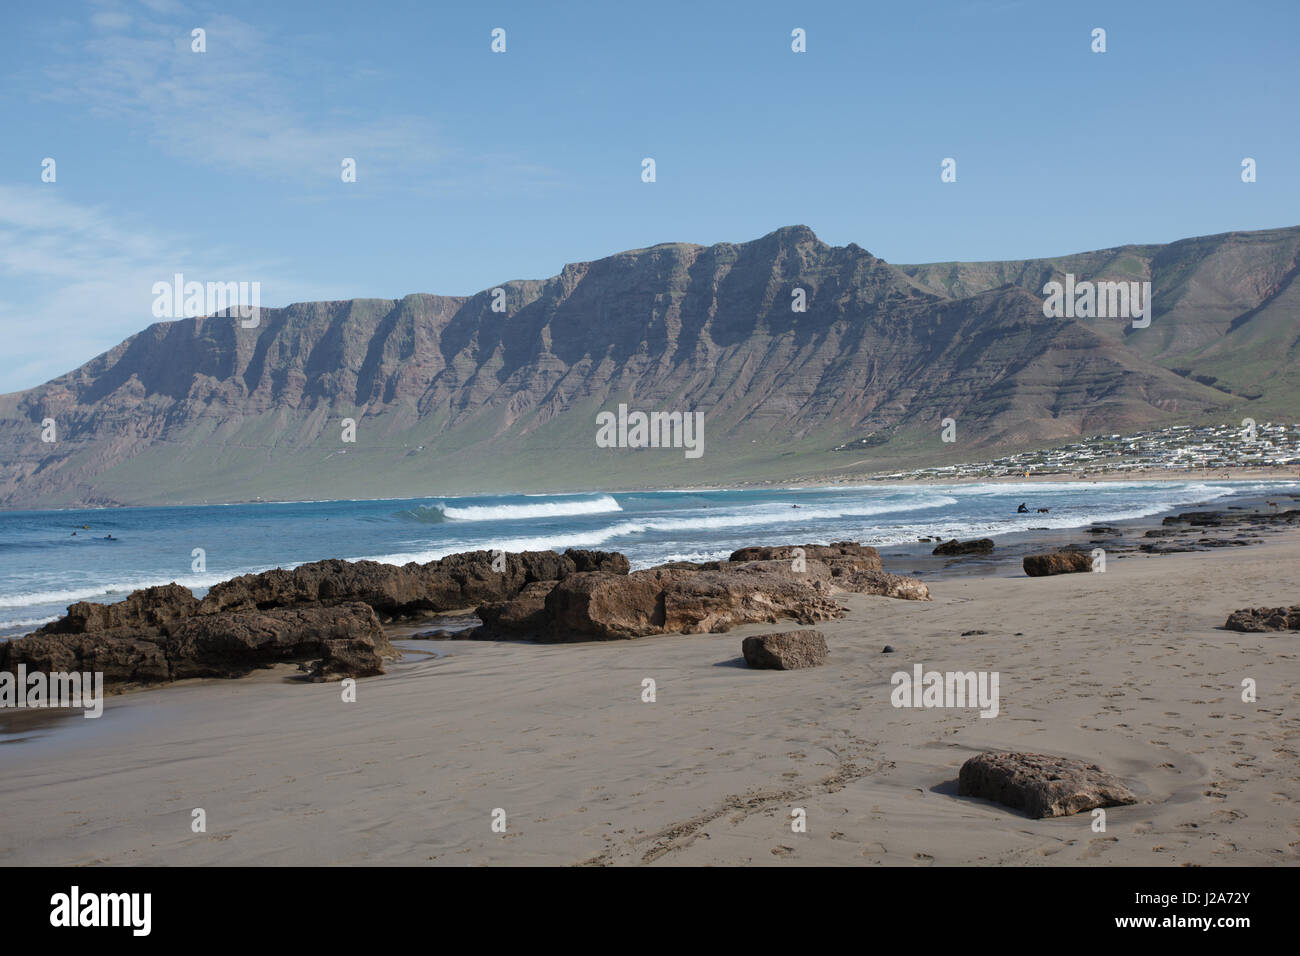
792	235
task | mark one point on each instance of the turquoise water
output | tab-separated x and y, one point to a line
44	567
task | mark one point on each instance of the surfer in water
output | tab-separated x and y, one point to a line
1023	509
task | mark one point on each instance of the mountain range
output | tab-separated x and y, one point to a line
452	396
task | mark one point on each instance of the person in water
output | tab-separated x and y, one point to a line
1023	509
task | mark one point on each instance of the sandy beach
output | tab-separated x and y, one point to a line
1130	669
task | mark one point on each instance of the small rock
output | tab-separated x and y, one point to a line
978	546
1041	785
889	649
1265	619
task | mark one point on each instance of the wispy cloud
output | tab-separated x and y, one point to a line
77	275
77	281
237	106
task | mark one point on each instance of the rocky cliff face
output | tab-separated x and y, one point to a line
451	396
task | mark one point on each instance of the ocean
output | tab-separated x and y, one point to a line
44	566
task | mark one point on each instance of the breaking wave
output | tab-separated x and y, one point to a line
442	511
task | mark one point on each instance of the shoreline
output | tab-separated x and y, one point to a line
915	558
912	558
825	482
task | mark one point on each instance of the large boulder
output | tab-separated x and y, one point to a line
583	560
843	566
600	606
235	643
953	547
123	657
386	588
1041	785
785	651
146	608
1057	562
1265	619
603	606
716	601
342	658
523	615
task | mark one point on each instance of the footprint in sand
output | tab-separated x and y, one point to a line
1097	846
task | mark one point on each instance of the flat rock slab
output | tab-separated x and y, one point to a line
978	546
1058	562
1265	619
786	650
1041	785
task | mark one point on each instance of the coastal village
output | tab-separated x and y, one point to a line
1178	448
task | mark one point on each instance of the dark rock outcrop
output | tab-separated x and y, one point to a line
1041	785
759	584
123	657
346	639
324	612
1265	619
233	644
1057	562
978	546
785	651
1105	531
843	556
148	608
456	581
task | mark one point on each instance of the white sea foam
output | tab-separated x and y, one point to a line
26	623
550	509
108	593
766	516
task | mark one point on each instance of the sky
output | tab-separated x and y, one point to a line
475	167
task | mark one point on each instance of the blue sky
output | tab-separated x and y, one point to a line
475	168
